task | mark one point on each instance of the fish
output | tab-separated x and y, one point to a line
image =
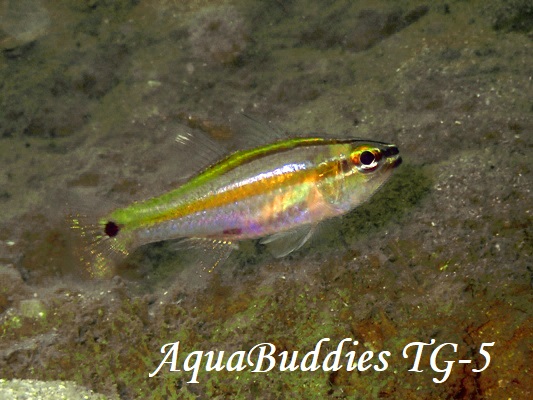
278	193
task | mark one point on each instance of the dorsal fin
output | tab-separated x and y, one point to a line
254	132
212	142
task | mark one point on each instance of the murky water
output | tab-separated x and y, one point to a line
92	95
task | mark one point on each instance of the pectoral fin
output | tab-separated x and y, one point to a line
283	243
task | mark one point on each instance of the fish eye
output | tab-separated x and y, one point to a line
367	158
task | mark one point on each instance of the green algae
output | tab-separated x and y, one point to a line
32	308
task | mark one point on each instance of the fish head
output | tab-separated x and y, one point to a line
366	165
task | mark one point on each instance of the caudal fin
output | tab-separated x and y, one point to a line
98	245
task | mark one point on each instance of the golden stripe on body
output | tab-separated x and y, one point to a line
304	176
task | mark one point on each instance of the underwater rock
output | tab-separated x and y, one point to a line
32	308
23	21
33	389
219	35
514	16
360	31
11	283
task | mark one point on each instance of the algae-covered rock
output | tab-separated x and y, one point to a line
53	390
32	308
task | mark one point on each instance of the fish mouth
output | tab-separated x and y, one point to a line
392	154
396	161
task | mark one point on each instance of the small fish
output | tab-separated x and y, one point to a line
278	192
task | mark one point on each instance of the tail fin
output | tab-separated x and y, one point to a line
98	249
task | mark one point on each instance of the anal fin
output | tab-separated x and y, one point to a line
211	252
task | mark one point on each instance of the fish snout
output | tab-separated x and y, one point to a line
391	153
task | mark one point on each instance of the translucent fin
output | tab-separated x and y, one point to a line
200	147
283	243
252	132
97	252
211	253
242	133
